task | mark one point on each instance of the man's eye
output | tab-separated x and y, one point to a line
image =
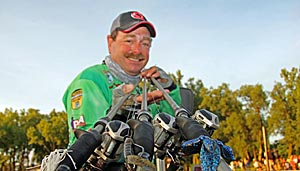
128	40
146	44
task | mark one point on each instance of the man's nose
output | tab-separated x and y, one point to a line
136	48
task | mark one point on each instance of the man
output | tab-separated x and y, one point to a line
90	95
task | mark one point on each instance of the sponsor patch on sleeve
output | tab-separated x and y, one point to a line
76	99
77	122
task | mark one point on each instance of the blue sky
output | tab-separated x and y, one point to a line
45	44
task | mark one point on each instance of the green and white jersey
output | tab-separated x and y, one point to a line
89	97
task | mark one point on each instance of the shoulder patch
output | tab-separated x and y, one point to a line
76	99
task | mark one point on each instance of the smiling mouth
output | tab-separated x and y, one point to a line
135	59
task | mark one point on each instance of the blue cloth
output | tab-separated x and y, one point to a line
209	154
226	151
210	151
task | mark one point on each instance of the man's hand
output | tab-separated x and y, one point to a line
151	72
162	77
122	90
152	97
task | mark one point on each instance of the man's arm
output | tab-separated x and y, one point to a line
85	103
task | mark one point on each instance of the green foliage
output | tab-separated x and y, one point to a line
255	103
177	78
23	131
243	112
284	116
13	138
233	130
196	87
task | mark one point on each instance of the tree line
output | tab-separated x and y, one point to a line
242	114
28	132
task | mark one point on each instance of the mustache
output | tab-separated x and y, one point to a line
138	56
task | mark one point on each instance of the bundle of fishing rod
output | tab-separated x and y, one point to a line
134	143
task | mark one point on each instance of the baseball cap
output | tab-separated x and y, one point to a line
129	21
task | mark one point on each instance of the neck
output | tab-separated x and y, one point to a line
119	73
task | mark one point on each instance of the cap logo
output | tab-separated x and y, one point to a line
137	15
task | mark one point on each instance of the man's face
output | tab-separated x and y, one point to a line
131	50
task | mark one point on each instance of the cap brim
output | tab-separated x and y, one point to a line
149	26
